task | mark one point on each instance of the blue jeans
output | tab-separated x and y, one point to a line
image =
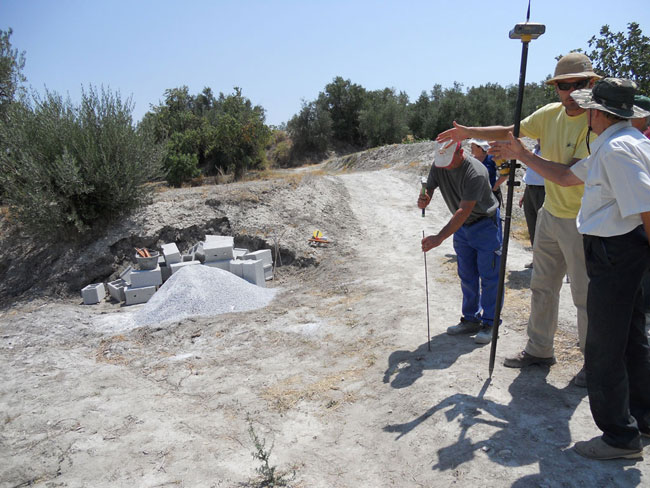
617	355
478	250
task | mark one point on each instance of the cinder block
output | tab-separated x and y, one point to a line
165	271
171	253
148	277
253	271
221	240
239	253
222	264
94	293
236	267
176	266
263	254
217	249
197	252
138	295
116	289
188	257
126	275
268	272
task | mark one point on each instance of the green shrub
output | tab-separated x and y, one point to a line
69	169
180	167
281	154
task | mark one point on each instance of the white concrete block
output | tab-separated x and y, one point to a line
263	254
126	275
188	257
236	267
239	253
148	277
222	264
221	240
93	293
116	289
253	271
165	271
216	250
138	295
171	253
196	252
176	266
268	272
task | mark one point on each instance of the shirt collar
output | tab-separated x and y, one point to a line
609	132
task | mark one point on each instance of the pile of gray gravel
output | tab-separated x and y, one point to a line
201	291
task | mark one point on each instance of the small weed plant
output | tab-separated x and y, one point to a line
268	476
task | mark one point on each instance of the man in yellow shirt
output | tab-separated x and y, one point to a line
557	250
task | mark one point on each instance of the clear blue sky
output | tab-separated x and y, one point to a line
281	52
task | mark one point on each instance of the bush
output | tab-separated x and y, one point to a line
69	169
310	130
180	167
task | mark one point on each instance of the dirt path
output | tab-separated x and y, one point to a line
335	373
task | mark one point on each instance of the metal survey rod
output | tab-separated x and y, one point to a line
423	182
526	32
426	284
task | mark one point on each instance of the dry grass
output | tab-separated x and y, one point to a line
287	393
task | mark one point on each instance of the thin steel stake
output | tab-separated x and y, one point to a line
426	282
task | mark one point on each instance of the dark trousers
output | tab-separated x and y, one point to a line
533	200
617	355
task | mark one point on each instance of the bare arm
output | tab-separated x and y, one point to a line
497	183
455	223
645	216
461	132
555	172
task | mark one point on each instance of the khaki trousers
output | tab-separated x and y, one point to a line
557	250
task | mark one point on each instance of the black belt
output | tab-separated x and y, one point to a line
469	224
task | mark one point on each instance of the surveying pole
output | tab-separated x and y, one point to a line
526	32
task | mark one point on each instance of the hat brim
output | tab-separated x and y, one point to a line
480	143
568	76
584	100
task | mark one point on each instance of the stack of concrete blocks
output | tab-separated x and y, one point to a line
218	252
93	293
174	259
263	255
143	284
116	289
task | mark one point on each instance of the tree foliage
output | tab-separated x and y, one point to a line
310	130
347	113
384	117
69	169
343	101
12	63
623	56
226	134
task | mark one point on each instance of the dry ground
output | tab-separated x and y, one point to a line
335	374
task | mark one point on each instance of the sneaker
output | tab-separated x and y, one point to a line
524	359
464	327
597	448
484	335
581	378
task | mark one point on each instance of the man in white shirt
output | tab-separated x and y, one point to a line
614	219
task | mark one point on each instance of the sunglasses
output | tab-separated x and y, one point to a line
576	85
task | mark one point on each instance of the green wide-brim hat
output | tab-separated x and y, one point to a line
613	95
642	102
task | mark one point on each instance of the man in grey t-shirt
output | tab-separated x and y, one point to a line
465	187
